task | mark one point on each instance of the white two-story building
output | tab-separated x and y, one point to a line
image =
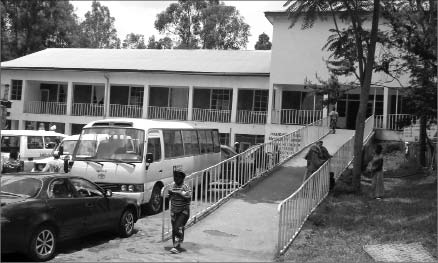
250	96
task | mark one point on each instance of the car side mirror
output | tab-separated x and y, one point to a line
108	193
149	158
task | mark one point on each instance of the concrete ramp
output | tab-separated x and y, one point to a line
245	229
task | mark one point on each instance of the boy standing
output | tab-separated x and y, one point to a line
180	196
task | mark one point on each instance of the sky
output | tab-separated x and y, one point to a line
139	16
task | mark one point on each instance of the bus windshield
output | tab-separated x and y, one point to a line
110	144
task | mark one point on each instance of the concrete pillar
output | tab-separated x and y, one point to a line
145	101
69	98
21	125
270	104
106	107
67	129
234	106
385	106
325	108
190	106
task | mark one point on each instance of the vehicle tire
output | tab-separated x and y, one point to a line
126	223
42	244
155	204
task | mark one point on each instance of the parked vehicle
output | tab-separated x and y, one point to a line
64	149
30	145
137	157
39	210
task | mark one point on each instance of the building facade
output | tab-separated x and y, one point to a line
250	96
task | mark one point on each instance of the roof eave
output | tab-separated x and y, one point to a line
251	74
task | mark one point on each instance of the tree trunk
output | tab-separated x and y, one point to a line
423	134
364	93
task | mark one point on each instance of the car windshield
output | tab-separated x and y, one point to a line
20	186
110	144
68	147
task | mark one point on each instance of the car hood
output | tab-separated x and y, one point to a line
6	200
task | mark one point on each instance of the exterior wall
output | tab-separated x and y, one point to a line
297	54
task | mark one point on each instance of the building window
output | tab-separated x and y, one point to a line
221	99
17	86
137	96
260	100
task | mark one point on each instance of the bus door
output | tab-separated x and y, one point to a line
155	170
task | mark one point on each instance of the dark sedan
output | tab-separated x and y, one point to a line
38	211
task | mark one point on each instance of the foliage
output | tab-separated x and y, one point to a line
352	49
134	41
31	26
203	24
330	87
97	30
414	27
263	43
162	43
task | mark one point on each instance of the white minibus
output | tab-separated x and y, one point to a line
137	157
30	145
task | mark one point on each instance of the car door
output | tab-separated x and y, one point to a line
101	215
68	212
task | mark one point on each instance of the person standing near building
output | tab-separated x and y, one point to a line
333	119
377	173
313	160
179	196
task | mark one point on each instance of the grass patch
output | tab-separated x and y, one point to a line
344	222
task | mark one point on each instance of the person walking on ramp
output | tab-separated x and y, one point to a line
180	196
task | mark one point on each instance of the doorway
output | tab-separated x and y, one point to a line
353	107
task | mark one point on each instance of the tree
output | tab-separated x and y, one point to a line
203	24
134	41
358	52
414	27
30	26
97	30
162	43
222	27
263	43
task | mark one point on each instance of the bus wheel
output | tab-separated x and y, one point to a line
155	204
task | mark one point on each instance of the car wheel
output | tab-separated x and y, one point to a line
126	224
155	204
43	243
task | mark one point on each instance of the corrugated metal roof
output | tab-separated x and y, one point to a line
227	62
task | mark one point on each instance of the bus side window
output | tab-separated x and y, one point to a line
34	142
154	147
202	141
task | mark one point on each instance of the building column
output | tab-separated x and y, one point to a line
69	98
385	106
190	106
21	125
276	116
270	103
234	105
67	128
325	108
145	101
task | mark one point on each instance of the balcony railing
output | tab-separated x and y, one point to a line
44	107
291	116
394	122
87	109
128	111
167	113
246	116
211	115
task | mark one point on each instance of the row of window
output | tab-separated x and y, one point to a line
178	143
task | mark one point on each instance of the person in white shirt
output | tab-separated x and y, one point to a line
54	166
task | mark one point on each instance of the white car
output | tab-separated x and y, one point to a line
65	149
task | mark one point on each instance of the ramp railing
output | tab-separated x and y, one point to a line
294	210
213	186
